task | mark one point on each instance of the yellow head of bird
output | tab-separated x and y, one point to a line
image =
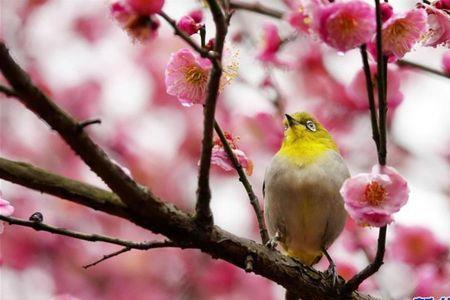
305	139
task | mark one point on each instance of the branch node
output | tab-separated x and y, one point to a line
249	260
36	217
87	123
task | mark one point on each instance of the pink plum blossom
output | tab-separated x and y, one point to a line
438	28
401	32
197	15
188	25
446	62
386	11
186	77
345	25
145	7
220	157
140	27
417	245
299	18
187	74
271	44
6	209
358	92
372	198
442	4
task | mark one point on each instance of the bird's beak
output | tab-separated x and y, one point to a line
291	121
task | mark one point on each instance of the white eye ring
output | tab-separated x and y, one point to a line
310	125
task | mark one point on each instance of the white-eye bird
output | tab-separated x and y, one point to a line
304	210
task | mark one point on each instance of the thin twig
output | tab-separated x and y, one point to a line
369	87
382	107
257	8
107	256
373	267
145	246
203	214
248	187
202	51
7	91
413	65
39	226
86	123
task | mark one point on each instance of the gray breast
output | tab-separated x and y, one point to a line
303	203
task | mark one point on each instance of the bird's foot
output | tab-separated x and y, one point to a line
273	242
331	273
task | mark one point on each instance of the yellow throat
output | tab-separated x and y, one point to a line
305	139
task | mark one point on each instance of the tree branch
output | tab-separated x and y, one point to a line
38	226
248	187
373	267
144	209
257	8
203	214
7	91
45	182
108	256
370	96
219	244
405	63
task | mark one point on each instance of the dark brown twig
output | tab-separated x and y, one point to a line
7	91
370	95
39	226
203	214
413	65
373	267
248	187
86	123
257	8
107	256
143	246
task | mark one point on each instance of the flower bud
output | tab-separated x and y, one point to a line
188	25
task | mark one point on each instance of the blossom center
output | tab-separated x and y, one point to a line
195	75
375	194
346	25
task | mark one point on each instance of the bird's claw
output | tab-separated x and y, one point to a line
336	280
273	242
331	273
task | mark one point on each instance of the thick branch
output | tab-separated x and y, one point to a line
178	227
75	191
248	187
405	63
149	212
202	209
257	8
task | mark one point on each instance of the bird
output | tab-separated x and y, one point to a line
303	208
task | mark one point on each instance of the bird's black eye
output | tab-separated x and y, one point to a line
310	125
